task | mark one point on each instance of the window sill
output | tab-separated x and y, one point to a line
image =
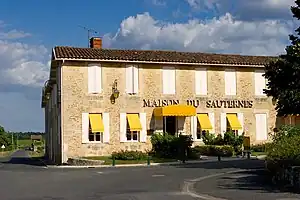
94	142
131	141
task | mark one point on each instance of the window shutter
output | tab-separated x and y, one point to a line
201	81
240	117
223	123
129	79
91	79
230	82
136	79
85	127
143	133
98	79
169	80
106	133
123	127
261	126
260	82
211	117
194	127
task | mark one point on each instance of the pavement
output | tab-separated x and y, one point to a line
23	178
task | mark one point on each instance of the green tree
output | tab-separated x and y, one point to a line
4	138
283	74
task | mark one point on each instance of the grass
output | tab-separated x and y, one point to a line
5	153
24	143
35	154
108	160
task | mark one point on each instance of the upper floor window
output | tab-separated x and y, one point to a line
169	80
132	79
260	82
94	79
201	81
230	82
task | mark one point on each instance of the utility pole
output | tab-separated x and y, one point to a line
12	140
88	32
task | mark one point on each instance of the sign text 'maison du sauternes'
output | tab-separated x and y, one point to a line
196	103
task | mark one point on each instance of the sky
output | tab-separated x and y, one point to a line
30	29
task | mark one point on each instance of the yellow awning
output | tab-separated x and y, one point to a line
234	122
134	122
175	110
96	123
204	122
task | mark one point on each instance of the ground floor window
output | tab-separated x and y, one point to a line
95	137
132	135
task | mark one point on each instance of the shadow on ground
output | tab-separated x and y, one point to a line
253	180
36	161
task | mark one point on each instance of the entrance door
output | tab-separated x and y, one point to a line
170	125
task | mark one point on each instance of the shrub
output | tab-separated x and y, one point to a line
284	151
260	147
215	150
169	146
130	155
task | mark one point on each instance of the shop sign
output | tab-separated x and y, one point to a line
196	103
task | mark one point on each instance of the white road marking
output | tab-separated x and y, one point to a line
157	175
99	172
188	186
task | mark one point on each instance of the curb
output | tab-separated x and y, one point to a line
204	160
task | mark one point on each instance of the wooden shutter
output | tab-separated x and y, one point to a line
223	123
194	127
260	82
261	126
85	127
169	80
106	133
129	79
98	79
136	79
143	132
123	127
211	117
240	117
230	82
91	79
201	81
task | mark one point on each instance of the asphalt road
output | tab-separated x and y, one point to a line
25	179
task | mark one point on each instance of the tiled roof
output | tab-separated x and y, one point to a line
157	56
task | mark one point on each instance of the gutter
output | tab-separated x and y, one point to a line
155	62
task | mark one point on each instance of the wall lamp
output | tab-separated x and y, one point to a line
115	92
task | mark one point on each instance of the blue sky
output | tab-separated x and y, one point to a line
29	29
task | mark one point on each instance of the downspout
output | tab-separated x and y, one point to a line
60	114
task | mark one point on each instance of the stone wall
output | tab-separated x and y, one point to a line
76	100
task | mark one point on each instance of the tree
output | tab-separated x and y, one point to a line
283	74
4	138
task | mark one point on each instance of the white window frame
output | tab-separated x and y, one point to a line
132	132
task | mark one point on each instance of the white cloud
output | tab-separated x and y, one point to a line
159	2
224	34
246	9
22	63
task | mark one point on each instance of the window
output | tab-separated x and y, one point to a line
133	127
95	137
204	124
169	80
95	127
233	123
200	133
94	79
132	79
260	82
230	82
201	81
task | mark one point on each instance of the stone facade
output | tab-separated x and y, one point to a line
75	100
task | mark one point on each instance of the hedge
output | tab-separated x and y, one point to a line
215	150
130	155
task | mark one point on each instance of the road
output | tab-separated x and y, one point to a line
26	179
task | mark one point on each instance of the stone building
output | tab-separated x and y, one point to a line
98	100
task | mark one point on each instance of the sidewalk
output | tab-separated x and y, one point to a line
203	159
249	185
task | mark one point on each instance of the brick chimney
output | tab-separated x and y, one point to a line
96	42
